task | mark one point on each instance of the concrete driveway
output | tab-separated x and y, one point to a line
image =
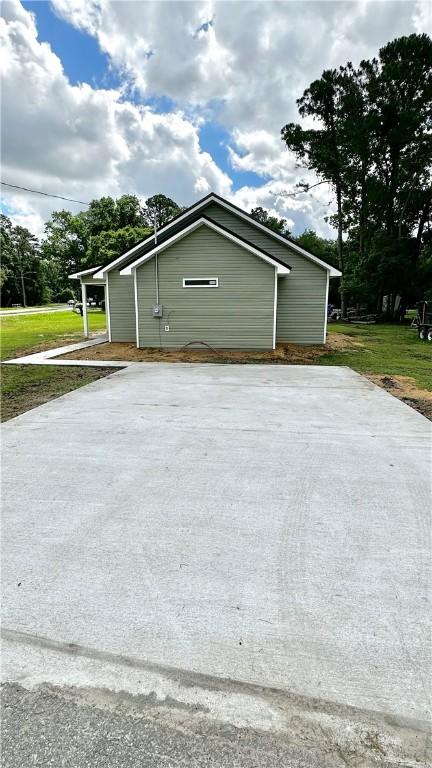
223	535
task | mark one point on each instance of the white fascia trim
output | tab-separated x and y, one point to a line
124	256
275	308
281	270
225	204
77	275
136	310
325	308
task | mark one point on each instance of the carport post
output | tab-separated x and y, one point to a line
84	308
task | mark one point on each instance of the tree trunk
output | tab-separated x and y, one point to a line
420	229
391	192
23	290
362	216
379	302
340	249
391	306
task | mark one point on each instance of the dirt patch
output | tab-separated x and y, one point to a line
405	389
24	387
288	354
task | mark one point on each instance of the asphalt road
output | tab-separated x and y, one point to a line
33	311
210	534
73	728
51	729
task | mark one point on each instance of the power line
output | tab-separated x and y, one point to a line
45	194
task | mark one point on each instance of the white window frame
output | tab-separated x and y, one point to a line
215	279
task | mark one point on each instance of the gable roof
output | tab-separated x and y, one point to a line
203	221
129	256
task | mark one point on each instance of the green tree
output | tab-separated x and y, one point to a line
129	212
20	260
106	246
64	247
5	234
321	247
323	148
101	215
162	208
373	144
33	272
263	216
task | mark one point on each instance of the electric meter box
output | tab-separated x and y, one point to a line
157	310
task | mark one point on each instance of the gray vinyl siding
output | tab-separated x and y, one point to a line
237	314
302	294
121	306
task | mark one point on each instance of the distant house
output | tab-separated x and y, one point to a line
213	274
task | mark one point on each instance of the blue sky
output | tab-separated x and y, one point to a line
83	61
88	112
80	54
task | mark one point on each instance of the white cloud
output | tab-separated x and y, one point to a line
23	214
254	59
301	214
245	68
422	17
81	142
263	154
242	63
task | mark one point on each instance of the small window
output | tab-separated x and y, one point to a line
200	282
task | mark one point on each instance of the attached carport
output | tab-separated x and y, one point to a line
86	278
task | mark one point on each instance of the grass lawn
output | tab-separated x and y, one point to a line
384	350
23	334
391	355
24	386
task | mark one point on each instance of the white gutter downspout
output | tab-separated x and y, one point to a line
136	308
325	307
107	308
157	278
156	260
275	308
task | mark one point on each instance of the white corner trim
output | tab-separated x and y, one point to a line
84	309
325	307
136	310
107	309
77	275
282	270
275	307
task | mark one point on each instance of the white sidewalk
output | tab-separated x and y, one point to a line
48	357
